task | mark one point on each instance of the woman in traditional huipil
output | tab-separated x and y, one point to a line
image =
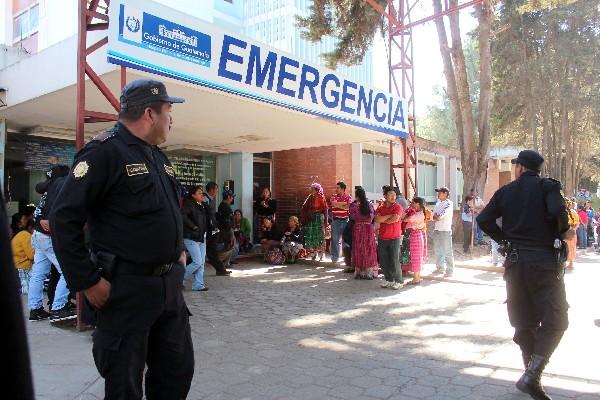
364	250
314	219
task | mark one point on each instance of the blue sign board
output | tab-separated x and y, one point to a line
182	47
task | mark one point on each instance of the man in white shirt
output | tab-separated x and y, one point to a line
442	233
478	205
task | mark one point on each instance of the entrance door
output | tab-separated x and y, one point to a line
262	173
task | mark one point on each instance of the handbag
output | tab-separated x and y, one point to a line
275	257
327	233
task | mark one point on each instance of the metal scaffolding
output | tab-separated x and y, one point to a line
398	14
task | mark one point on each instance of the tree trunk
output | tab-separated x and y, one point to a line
452	90
564	127
552	149
546	141
464	101
533	122
484	14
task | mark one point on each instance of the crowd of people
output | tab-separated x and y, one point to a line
387	236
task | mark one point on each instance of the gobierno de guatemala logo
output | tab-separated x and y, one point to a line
132	24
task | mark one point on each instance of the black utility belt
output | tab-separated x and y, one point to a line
145	270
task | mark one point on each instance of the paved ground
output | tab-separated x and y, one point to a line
311	332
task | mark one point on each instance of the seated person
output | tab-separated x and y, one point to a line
270	235
242	231
293	240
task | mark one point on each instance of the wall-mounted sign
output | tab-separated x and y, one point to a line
151	37
41	156
192	170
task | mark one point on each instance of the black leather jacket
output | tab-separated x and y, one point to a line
195	220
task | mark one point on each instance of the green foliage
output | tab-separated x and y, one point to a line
438	121
546	68
353	23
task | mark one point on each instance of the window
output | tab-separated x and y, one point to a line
427	176
375	171
26	23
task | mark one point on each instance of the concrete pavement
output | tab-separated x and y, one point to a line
313	332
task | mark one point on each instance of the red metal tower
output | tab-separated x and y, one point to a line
93	16
402	75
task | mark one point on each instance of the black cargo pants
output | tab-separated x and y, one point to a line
536	301
145	322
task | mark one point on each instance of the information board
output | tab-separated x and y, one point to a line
40	156
194	170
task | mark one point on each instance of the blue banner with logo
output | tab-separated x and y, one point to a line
185	48
153	33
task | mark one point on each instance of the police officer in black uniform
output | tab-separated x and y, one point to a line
125	189
534	217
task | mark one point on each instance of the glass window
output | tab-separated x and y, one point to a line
26	23
34	18
382	172
367	172
21	26
427	176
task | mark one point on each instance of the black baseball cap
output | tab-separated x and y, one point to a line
443	189
145	91
529	159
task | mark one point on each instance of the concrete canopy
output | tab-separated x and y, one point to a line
209	120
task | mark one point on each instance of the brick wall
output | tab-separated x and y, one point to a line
294	171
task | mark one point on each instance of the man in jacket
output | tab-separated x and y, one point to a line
44	256
536	298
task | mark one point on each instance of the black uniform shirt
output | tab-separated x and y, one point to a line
533	213
127	193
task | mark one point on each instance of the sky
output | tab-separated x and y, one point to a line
428	65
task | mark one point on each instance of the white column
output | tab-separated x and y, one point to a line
242	173
452	178
441	171
357	165
2	151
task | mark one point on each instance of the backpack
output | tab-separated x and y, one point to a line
275	257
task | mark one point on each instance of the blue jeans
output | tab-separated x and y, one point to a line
582	236
337	228
236	250
478	231
197	251
43	258
442	245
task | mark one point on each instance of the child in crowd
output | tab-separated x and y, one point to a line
23	254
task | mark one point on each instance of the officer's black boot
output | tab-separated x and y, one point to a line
530	381
526	359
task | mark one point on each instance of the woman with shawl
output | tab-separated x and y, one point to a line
314	218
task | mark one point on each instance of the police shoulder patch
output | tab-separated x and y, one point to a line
169	170
104	136
81	169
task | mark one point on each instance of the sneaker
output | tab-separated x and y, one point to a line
204	289
224	273
386	284
437	272
38	314
448	275
68	311
397	285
